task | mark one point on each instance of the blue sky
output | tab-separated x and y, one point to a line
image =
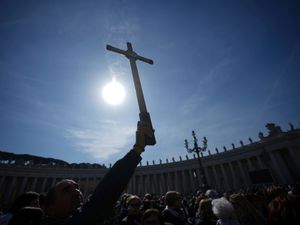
221	68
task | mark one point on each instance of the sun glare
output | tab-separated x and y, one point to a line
113	92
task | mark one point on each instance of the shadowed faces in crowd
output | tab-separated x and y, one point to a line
133	205
63	199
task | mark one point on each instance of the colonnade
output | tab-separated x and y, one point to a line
184	181
230	170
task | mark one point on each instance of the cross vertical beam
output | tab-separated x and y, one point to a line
132	56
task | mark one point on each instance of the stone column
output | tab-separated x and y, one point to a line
11	188
44	184
170	184
2	181
172	180
236	185
22	188
283	168
198	178
148	186
249	164
2	186
274	166
157	183
33	187
137	184
215	177
294	157
260	163
94	183
245	176
208	178
83	181
226	182
191	176
183	182
133	185
154	183
144	184
163	181
176	183
168	181
141	185
53	181
129	187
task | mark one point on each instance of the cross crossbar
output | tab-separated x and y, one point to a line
130	54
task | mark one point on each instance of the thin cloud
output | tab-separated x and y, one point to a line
276	82
99	144
122	31
216	72
199	97
124	28
117	67
192	104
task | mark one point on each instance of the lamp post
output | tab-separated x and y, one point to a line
198	150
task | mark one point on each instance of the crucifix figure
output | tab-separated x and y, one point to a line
132	56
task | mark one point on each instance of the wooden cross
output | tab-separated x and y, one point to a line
132	56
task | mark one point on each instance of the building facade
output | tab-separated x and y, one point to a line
273	159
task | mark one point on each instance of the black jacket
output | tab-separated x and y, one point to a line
105	196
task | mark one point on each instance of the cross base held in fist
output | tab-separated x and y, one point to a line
144	131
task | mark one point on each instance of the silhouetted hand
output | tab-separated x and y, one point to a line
143	130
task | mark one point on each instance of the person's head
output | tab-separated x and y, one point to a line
212	194
27	216
62	199
205	210
200	197
245	210
281	210
152	217
133	205
27	199
124	198
223	209
147	197
227	194
173	199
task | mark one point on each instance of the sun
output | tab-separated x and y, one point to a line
113	92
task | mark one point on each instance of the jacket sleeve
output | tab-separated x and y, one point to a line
107	191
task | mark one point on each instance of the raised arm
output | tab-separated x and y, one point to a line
114	182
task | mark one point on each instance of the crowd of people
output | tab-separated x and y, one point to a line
63	204
267	205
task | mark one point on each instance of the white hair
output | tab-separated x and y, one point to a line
222	208
211	193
